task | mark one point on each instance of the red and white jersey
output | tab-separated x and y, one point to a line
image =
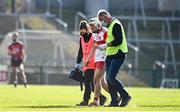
100	38
17	48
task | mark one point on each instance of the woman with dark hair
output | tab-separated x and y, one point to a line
85	45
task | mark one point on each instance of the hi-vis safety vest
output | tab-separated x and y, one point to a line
112	50
86	47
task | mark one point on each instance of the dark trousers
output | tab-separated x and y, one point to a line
88	75
113	66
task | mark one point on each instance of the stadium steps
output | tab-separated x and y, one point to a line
41	46
36	22
151	51
38	49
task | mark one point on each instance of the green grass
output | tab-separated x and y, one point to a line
63	98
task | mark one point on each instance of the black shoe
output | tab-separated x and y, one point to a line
25	85
112	105
102	100
83	103
15	85
125	101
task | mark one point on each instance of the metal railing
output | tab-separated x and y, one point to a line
60	8
77	19
83	16
166	27
47	14
62	23
143	14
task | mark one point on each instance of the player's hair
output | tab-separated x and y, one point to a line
95	22
83	25
103	12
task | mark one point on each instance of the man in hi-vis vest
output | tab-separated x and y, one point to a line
116	49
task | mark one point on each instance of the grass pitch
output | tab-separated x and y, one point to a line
63	98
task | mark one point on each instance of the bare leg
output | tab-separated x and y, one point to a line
23	76
15	76
97	86
97	82
104	84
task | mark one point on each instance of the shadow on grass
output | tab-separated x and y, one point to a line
47	106
161	106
